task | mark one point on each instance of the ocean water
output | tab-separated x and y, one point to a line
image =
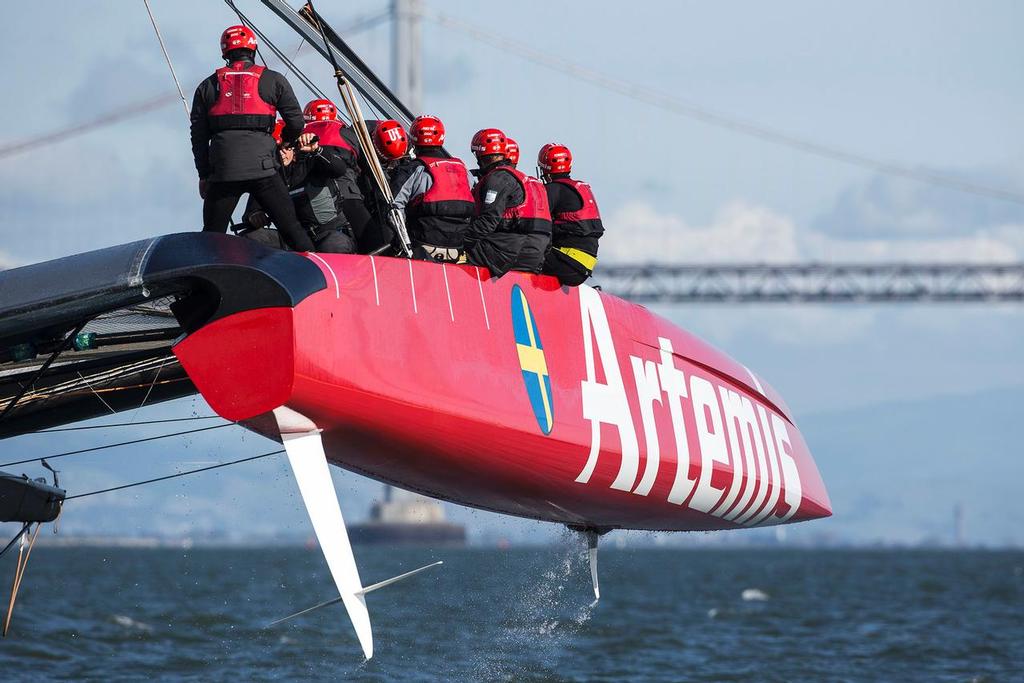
522	615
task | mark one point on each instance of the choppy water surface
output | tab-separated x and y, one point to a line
520	615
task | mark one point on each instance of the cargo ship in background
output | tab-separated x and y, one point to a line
404	518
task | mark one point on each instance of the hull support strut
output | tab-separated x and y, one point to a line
592	534
308	461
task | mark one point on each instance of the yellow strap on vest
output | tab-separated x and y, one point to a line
583	257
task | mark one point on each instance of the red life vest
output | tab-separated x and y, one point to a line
239	105
329	134
449	194
584	222
532	215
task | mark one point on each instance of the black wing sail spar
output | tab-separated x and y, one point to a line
91	334
308	24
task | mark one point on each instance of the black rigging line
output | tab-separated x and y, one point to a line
242	18
16	537
310	85
339	75
124	112
124	424
64	345
362	24
115	445
175	476
290	65
306	80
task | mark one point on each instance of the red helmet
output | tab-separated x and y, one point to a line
237	38
427	131
390	140
320	110
488	141
555	158
512	151
278	128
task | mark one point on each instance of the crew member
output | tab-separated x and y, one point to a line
576	220
433	190
512	151
311	172
322	120
233	114
368	215
392	145
255	223
512	226
323	180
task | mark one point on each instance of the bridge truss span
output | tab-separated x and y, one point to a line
814	282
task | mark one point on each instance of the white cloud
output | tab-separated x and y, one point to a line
740	232
743	232
894	208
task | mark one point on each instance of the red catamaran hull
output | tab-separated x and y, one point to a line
515	395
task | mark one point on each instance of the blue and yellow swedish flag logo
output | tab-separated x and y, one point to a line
532	361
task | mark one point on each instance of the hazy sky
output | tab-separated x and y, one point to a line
931	85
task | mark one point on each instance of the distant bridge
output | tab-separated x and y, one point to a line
814	282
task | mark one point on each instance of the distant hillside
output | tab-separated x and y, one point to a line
895	470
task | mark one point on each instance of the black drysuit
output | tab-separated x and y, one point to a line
316	182
441	223
490	241
569	271
364	227
234	162
368	214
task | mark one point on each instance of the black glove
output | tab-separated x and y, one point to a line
258	219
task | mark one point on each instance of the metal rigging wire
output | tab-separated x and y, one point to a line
245	21
167	58
125	424
175	476
130	111
358	26
650	96
115	445
362	24
14	540
310	85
